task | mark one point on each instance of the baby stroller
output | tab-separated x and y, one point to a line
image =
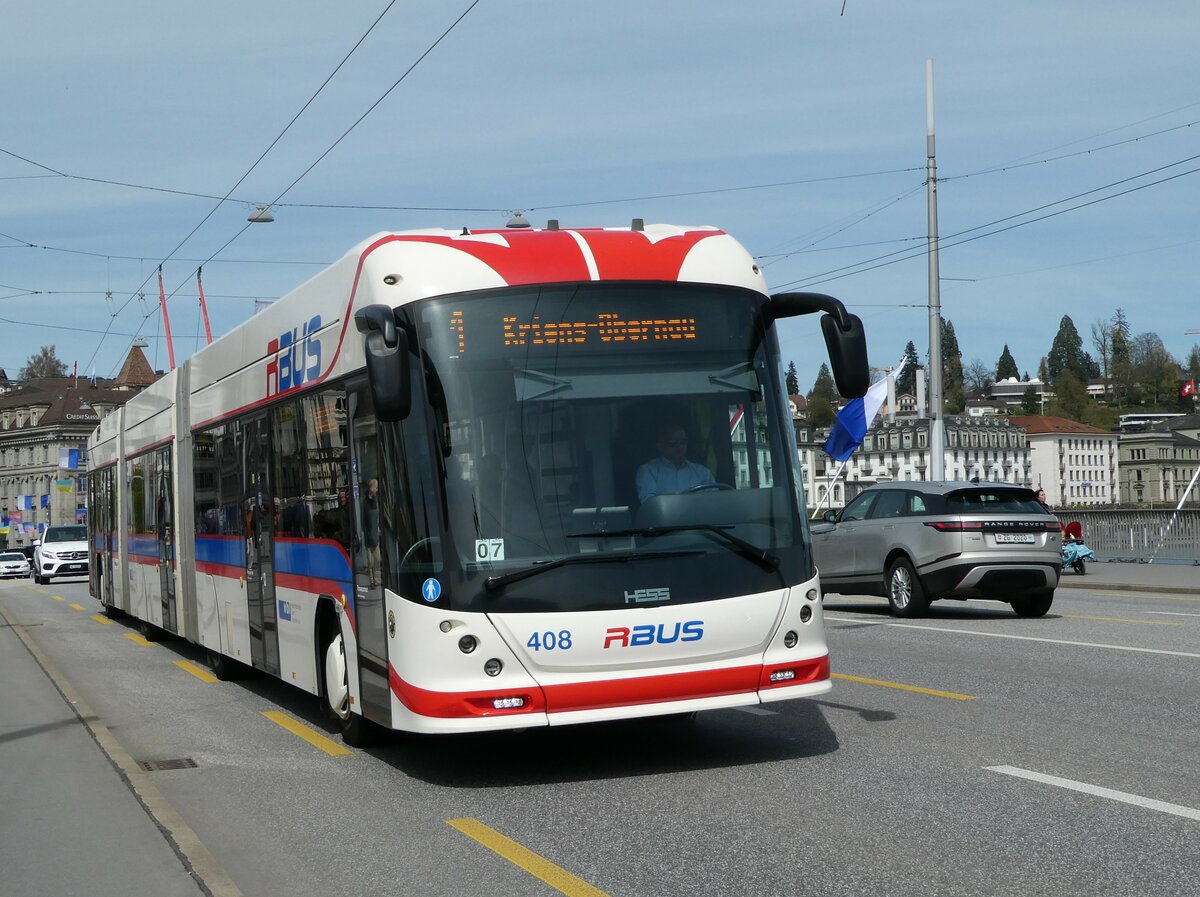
1075	553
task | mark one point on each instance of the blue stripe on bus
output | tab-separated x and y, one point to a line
312	558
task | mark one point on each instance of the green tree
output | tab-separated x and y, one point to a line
1031	403
1193	364
1066	353
1155	370
1070	397
44	363
906	383
821	398
1006	366
793	383
953	393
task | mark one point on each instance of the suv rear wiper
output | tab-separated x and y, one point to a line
494	583
748	550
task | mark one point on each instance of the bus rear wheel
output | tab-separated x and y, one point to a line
356	731
225	668
149	631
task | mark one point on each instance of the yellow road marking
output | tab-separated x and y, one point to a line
1120	620
100	618
75	606
925	691
199	672
55	597
137	639
313	737
539	867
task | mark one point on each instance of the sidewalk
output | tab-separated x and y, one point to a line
1178	579
68	821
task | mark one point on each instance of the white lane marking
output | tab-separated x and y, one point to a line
1019	638
1167	613
757	711
1124	797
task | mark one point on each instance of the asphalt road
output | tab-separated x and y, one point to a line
968	753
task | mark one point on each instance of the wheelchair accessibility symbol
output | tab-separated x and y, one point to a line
431	589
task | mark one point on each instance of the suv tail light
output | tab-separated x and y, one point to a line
1055	527
954	526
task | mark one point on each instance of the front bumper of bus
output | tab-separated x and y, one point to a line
790	660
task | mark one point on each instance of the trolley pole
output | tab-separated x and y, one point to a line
937	426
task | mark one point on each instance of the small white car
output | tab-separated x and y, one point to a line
13	563
63	552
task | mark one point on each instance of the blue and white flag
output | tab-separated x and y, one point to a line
853	421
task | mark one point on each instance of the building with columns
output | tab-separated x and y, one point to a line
1157	464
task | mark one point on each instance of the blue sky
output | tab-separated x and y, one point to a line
595	114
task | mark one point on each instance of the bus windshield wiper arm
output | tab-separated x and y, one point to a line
494	583
748	550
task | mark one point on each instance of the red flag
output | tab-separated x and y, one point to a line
1189	389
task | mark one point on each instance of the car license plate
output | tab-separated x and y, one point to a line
1015	538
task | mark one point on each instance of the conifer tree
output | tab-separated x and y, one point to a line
1006	366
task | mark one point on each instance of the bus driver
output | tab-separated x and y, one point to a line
671	471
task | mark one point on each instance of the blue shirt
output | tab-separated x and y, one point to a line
661	477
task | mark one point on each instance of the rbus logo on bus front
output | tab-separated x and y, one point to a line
294	358
649	634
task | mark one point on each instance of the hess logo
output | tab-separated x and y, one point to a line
649	634
294	358
640	596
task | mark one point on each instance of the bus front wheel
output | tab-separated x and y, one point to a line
356	731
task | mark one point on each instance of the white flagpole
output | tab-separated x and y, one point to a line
829	489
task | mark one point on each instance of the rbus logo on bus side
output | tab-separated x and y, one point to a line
294	358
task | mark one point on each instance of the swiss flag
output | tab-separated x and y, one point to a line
1188	389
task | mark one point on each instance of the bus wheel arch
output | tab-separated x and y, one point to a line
333	679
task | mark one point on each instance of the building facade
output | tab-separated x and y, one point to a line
1076	464
44	427
1157	464
990	449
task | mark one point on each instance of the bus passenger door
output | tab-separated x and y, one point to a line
258	508
165	530
370	488
108	528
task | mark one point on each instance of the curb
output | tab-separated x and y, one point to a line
1071	583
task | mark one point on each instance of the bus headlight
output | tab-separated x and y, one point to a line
790	638
467	644
493	667
805	614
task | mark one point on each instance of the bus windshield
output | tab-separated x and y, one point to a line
609	445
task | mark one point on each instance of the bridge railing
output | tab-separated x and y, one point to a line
1140	535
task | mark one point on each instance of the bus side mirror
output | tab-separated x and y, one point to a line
845	339
847	349
384	345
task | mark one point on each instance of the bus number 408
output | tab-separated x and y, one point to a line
548	641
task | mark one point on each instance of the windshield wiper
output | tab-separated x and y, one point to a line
494	583
748	550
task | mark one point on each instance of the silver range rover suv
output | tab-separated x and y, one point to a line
917	542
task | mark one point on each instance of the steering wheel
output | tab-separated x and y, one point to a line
704	487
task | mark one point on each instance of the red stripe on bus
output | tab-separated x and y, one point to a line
607	693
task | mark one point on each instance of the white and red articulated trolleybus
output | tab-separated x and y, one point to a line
411	486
